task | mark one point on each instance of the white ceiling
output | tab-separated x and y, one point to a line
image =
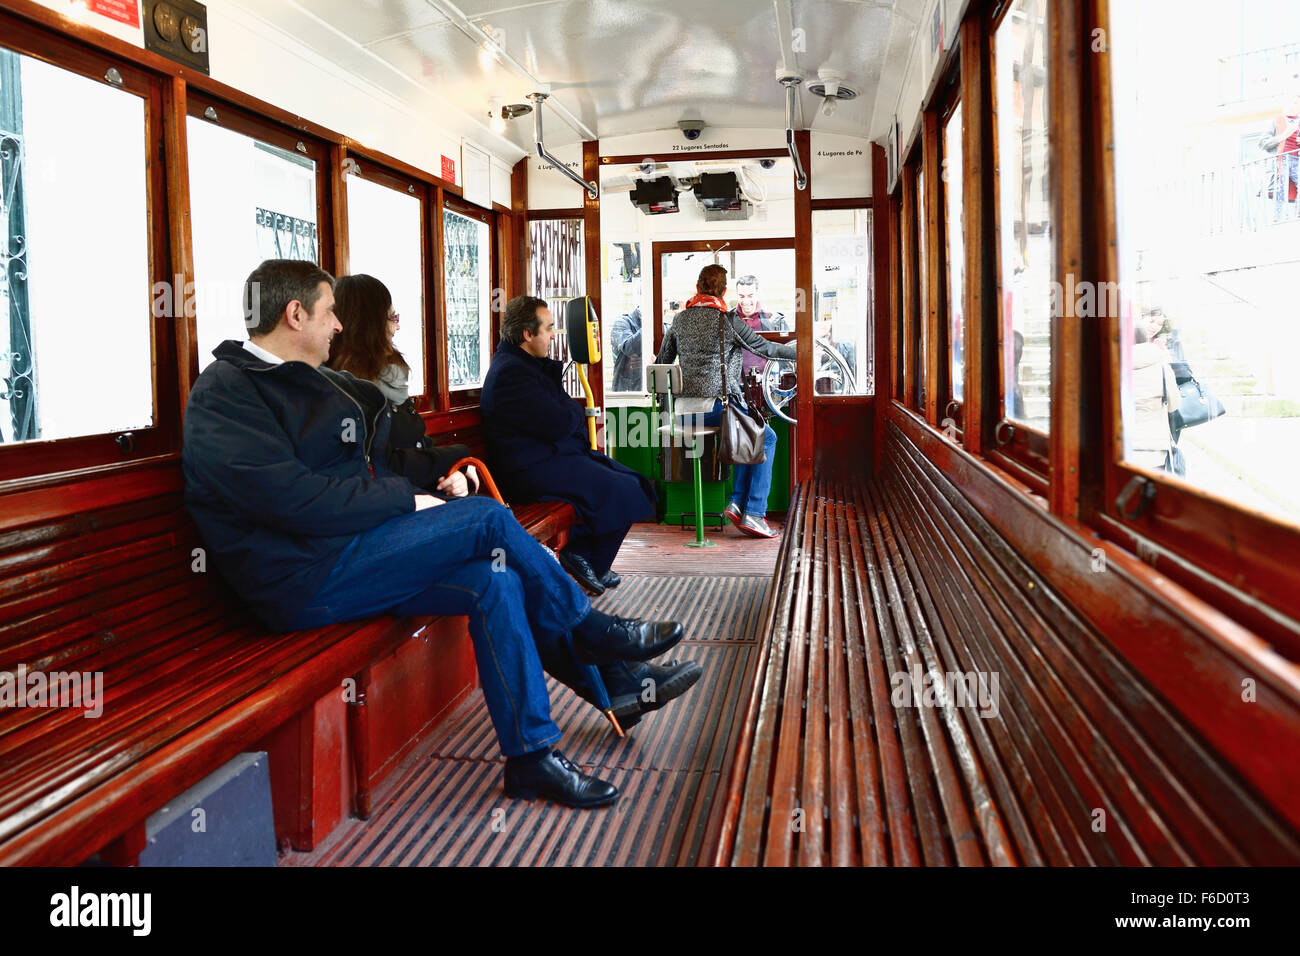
617	66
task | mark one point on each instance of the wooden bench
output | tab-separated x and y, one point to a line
101	576
902	585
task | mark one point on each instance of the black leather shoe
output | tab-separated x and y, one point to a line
555	778
610	580
628	639
636	689
581	571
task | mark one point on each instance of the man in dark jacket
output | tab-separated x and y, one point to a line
286	479
625	336
539	450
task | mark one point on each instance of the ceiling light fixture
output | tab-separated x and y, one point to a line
828	87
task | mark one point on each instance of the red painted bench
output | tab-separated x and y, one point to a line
99	576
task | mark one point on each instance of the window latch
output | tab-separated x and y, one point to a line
1148	494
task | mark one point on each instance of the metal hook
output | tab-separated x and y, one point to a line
1144	502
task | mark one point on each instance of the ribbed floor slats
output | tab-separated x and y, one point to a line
444	805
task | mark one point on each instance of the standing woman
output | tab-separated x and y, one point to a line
365	348
693	340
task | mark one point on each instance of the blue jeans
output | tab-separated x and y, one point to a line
751	484
1288	173
469	556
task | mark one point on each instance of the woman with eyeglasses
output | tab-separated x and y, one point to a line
365	348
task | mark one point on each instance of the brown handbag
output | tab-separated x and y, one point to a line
740	434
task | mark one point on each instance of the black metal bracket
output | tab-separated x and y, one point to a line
1148	494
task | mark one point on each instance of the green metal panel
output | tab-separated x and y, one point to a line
629	431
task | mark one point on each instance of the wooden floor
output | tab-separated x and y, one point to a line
444	805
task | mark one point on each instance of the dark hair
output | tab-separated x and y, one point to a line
520	317
361	303
747	280
273	285
712	280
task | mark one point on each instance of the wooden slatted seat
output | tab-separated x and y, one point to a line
105	581
1080	762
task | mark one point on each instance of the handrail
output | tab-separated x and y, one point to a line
538	99
800	177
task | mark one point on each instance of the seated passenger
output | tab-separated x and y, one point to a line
365	349
693	338
539	450
311	528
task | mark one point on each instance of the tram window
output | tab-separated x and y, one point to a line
923	299
384	240
249	201
557	273
1207	242
897	251
1024	212
76	291
467	263
626	331
954	226
760	286
769	293
842	314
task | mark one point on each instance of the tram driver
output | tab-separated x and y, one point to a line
311	528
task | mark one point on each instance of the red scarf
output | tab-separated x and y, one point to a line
707	301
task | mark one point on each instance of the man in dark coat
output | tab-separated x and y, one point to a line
625	336
539	450
286	480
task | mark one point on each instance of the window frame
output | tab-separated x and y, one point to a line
949	99
39	461
869	330
909	337
364	168
659	249
464	398
1020	449
1240	559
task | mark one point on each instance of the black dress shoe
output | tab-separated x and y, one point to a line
628	639
636	689
610	580
581	571
555	778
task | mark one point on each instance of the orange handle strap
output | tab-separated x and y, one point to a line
484	476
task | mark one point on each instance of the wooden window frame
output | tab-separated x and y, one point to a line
595	370
371	171
42	461
659	249
1238	559
1020	449
468	397
949	98
909	335
869	331
896	386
